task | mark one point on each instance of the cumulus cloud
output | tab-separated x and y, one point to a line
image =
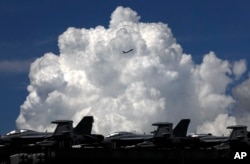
221	122
239	67
241	93
121	15
154	82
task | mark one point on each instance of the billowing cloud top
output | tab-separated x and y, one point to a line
154	81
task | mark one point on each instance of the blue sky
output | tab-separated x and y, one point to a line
31	28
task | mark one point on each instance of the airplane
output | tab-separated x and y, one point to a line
164	129
238	133
66	136
125	52
64	128
23	136
166	136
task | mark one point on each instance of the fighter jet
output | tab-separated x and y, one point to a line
238	133
166	136
23	136
66	135
164	129
125	52
26	136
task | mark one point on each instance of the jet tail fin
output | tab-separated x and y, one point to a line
181	128
85	125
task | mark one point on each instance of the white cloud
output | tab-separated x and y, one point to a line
239	67
241	93
221	122
123	15
154	82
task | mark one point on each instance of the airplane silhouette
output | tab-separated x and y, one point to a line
164	129
125	52
81	133
238	133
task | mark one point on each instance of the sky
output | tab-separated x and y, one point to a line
207	36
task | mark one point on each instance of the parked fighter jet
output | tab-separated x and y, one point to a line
165	135
238	133
25	136
164	129
65	135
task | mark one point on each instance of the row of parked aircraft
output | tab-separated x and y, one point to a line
164	136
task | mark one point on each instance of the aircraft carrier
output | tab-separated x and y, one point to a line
169	145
